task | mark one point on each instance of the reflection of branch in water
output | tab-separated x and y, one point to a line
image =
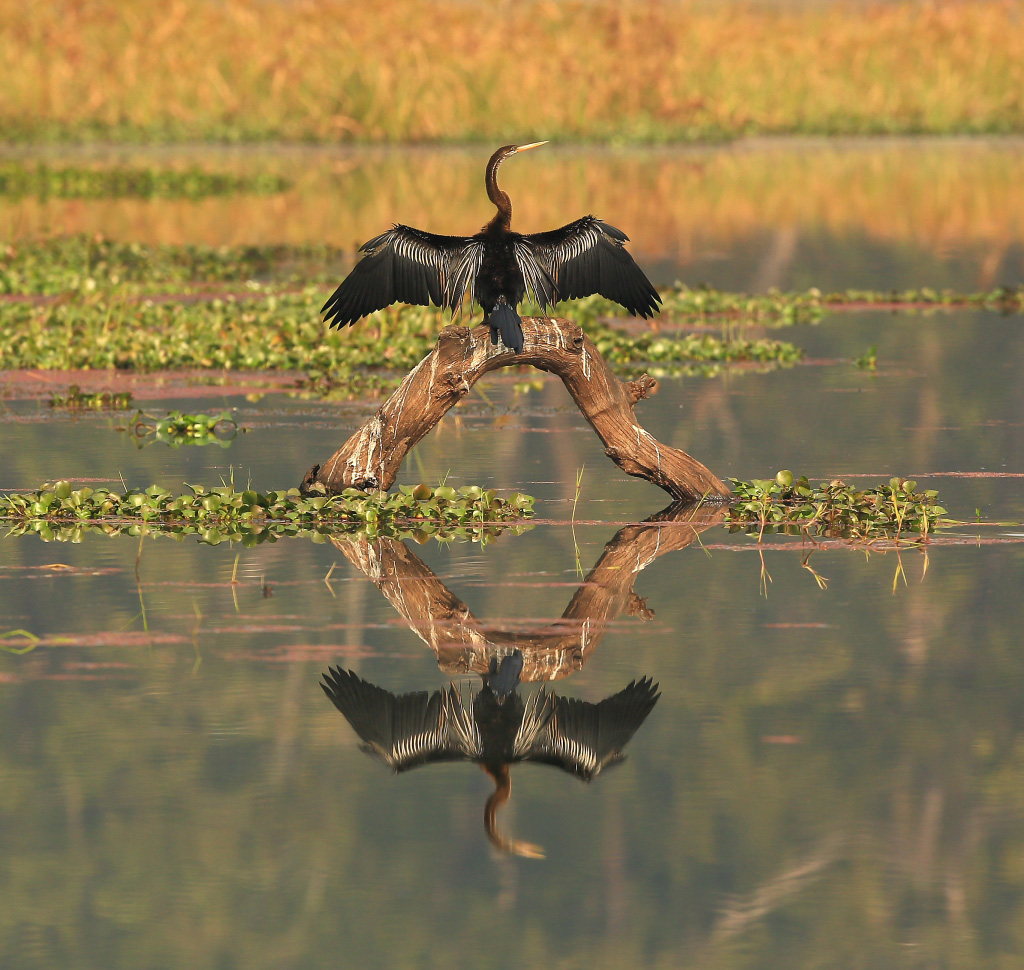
496	727
464	645
741	912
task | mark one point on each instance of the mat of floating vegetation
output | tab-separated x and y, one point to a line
58	511
793	506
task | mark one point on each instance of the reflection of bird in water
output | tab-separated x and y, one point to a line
494	727
498	267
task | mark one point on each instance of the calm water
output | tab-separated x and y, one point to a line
830	777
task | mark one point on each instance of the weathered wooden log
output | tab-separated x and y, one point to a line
462	644
371	457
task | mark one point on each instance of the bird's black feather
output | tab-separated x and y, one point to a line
402	730
583	738
408	730
402	265
587	256
495	267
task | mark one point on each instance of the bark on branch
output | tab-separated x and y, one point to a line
464	645
372	456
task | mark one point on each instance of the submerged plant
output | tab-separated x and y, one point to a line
60	511
792	506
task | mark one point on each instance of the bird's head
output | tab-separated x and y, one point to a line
499	198
507	150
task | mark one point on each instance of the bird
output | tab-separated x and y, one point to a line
495	727
497	267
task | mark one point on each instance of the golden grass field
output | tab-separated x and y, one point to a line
410	71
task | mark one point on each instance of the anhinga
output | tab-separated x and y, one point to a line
494	727
497	267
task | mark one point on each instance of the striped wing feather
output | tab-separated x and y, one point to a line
584	257
405	265
582	738
403	730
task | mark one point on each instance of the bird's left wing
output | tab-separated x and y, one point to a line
404	730
406	265
584	257
582	738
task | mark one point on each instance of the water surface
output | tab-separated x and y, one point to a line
831	776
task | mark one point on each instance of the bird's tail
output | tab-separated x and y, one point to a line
505	321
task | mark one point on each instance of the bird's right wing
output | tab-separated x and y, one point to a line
582	738
406	265
584	257
404	730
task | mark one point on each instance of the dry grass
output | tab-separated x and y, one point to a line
403	70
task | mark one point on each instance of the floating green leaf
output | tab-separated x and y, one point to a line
791	505
60	511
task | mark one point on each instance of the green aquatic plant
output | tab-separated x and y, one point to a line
93	263
177	429
74	182
78	400
868	360
792	506
283	330
59	511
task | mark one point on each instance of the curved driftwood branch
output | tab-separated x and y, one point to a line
463	644
372	456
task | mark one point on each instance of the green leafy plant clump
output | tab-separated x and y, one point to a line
177	429
74	182
58	511
833	509
93	263
284	331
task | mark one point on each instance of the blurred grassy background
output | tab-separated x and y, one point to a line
409	71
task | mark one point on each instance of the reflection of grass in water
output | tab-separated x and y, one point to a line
177	429
67	182
78	400
939	196
407	71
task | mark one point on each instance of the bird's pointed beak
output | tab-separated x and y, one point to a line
533	144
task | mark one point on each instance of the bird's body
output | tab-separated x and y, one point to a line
496	267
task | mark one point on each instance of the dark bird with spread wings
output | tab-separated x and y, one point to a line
497	267
494	728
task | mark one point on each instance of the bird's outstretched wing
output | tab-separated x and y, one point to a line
585	257
583	738
405	265
404	730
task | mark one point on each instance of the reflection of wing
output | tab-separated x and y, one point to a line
404	730
583	738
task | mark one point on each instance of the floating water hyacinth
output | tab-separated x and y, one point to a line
791	505
65	513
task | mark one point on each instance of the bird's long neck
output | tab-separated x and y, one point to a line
500	199
500	795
